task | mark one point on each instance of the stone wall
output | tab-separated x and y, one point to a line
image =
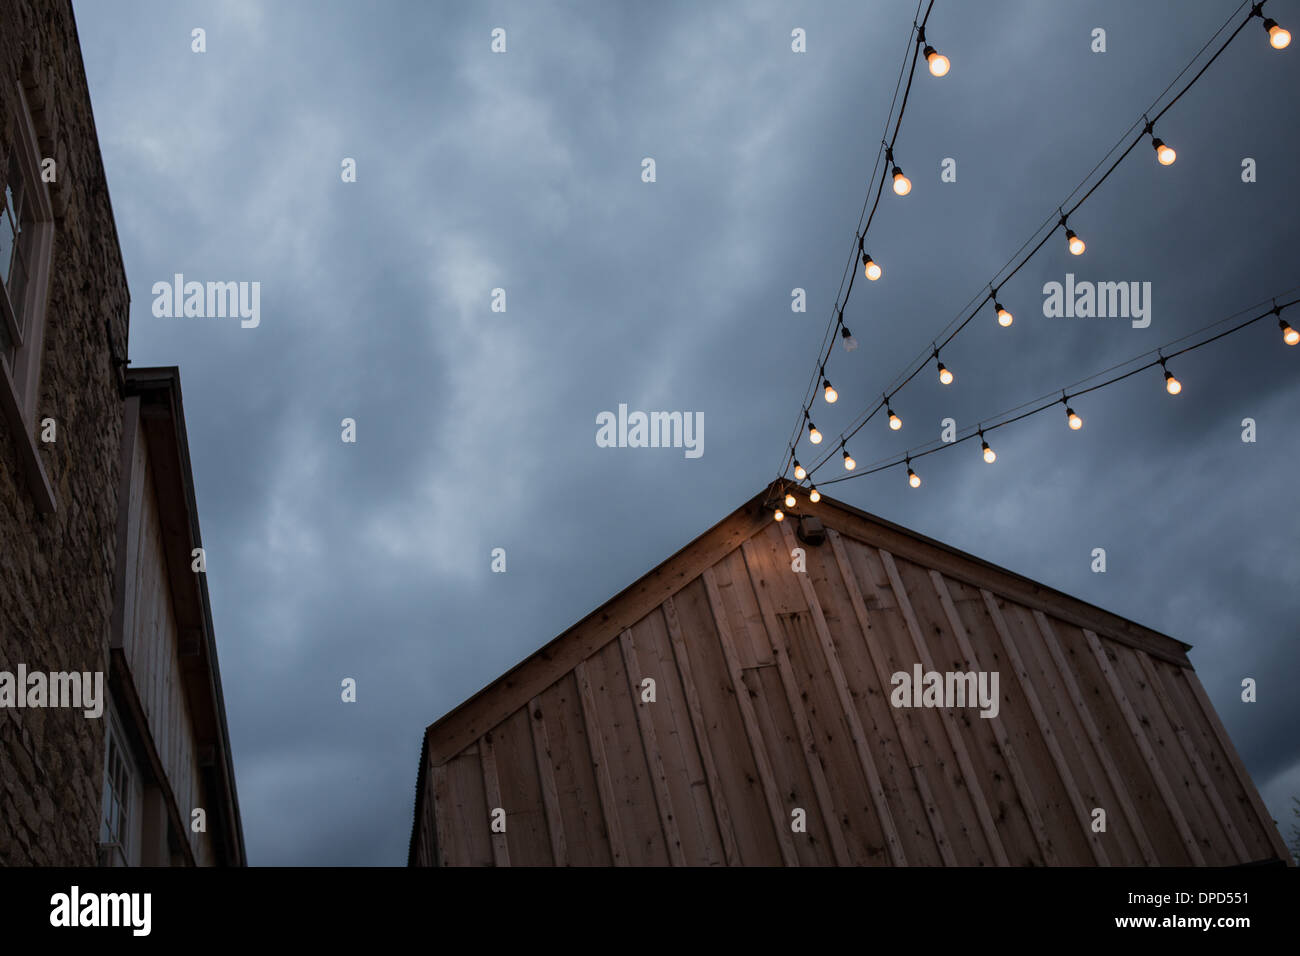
56	570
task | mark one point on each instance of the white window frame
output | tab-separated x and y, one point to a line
125	851
20	362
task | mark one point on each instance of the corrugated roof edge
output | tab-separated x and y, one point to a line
419	789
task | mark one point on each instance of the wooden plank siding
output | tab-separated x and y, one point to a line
151	648
773	695
164	676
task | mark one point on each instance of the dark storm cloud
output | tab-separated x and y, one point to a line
476	429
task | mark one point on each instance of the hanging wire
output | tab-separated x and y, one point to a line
1047	229
850	271
1070	392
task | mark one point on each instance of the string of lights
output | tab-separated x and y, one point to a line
1164	154
917	45
1069	394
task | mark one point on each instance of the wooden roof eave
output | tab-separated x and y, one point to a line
480	713
459	727
163	420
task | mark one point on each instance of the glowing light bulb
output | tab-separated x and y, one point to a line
813	494
814	435
1278	38
939	64
799	473
1172	385
1075	243
989	455
1289	335
1165	155
1004	317
913	478
945	376
849	463
1073	419
830	394
779	515
870	268
902	185
895	423
790	501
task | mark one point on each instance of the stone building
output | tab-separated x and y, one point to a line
97	514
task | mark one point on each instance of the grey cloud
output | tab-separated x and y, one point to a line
476	429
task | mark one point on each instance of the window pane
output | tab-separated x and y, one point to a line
115	818
15	185
8	234
17	288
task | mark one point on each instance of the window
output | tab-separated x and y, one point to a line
119	814
13	255
26	233
26	242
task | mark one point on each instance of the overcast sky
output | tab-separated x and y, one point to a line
523	171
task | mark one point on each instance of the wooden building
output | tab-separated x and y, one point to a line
773	704
168	752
